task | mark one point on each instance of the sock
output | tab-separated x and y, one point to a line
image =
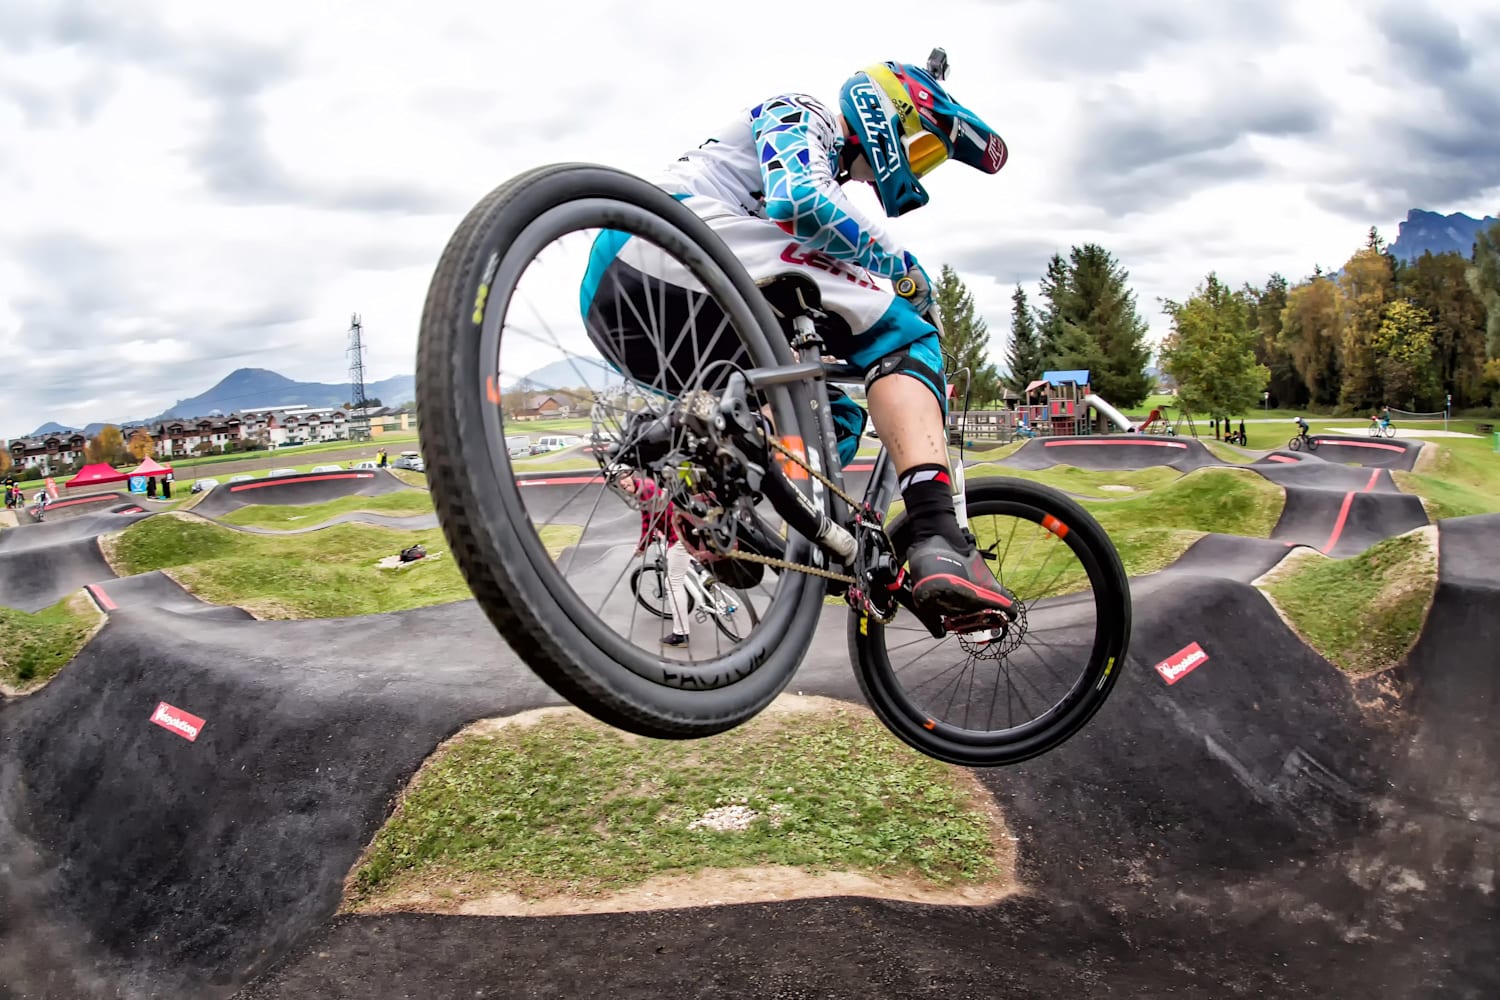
927	491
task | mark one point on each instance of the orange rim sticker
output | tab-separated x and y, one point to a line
1055	526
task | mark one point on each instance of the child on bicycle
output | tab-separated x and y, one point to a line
1301	426
658	520
769	183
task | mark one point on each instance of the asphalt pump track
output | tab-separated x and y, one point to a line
1260	824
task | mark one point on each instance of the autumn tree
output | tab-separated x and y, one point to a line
1367	284
1437	283
140	444
1025	356
1311	330
1210	352
966	339
5	462
108	446
1404	356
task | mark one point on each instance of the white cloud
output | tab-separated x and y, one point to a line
191	188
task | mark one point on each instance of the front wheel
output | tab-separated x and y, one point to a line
1004	696
548	563
1295	443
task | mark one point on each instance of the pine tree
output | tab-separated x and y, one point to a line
1025	357
1267	305
1210	353
1054	291
1100	325
966	341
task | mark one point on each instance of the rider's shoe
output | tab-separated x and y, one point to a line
675	639
954	583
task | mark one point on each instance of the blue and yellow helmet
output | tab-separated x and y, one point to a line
905	124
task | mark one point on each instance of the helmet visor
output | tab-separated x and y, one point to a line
924	151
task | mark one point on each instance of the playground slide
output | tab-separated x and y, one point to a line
1122	421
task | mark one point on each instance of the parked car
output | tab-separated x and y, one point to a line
241	478
367	464
274	473
204	485
518	444
409	460
555	442
327	468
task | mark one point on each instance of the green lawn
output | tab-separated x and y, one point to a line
33	647
1362	613
1463	479
567	806
304	516
330	573
1085	482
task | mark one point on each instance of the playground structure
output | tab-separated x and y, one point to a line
1054	405
1159	421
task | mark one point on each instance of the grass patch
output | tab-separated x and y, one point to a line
1226	453
410	478
1153	531
1363	613
1086	482
34	647
281	516
1463	479
566	805
323	574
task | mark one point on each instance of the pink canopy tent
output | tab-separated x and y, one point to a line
97	474
151	467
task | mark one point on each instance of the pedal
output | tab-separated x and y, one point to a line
996	622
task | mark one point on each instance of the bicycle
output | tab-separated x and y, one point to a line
1381	428
728	429
707	597
1303	440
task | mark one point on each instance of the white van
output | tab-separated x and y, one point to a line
554	442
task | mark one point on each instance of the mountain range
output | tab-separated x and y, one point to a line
1424	231
259	388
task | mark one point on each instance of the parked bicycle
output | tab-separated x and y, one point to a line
708	599
732	442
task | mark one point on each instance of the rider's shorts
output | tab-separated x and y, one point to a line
629	282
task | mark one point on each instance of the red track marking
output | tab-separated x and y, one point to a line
102	597
69	503
1128	444
1359	444
1282	458
280	480
1338	525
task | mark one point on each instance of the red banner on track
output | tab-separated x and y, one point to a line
184	724
1181	663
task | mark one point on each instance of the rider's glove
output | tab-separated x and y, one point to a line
914	285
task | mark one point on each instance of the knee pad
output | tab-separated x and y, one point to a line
922	360
849	420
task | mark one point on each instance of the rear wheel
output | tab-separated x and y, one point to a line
547	563
1001	697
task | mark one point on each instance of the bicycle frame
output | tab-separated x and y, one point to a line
810	366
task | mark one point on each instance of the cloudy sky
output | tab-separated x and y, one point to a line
189	188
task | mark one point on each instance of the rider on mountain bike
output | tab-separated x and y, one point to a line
769	183
1301	426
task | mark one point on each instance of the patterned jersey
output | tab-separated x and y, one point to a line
778	161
